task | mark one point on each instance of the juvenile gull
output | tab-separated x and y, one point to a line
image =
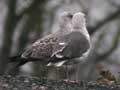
42	49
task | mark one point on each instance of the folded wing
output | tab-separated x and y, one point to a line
70	46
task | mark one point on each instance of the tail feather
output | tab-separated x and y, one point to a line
13	59
20	61
14	63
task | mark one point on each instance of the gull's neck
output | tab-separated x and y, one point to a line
64	29
83	30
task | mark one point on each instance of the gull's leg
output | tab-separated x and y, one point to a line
76	73
41	76
57	73
67	76
47	70
67	72
75	76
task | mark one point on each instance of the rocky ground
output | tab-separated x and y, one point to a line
9	82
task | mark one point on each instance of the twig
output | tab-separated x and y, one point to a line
103	22
113	47
29	9
114	4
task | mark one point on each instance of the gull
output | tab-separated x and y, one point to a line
42	49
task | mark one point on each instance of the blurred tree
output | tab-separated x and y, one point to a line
10	23
34	12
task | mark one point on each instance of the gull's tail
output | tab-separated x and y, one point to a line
14	64
17	59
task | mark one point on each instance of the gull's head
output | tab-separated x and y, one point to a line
65	18
78	20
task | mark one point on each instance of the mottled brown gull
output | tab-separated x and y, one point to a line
42	49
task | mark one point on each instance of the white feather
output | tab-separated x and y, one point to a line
84	55
62	43
58	64
49	64
23	56
59	56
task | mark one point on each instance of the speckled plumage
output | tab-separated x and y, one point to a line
41	49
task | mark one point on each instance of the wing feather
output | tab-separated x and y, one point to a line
70	46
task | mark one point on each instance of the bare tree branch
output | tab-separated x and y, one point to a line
10	24
34	5
114	3
113	47
103	22
52	14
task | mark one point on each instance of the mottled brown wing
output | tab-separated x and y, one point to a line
41	49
